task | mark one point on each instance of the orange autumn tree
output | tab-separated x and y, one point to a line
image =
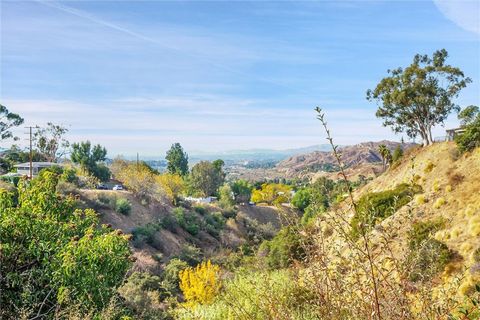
200	284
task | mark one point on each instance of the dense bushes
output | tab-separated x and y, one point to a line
187	220
427	256
287	246
143	293
54	256
375	206
144	234
123	206
257	296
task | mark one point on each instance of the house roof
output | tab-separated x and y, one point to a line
36	164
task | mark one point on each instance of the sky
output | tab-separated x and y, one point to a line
137	76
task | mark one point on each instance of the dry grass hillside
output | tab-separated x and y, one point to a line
449	199
247	223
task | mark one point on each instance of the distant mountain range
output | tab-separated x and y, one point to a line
255	154
361	154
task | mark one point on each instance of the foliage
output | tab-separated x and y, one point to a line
214	222
52	253
301	199
177	160
418	97
470	138
88	157
397	154
190	254
206	177
227	200
257	296
427	256
172	184
123	206
50	141
171	280
385	154
144	233
272	193
8	120
187	220
201	284
286	247
242	190
139	178
375	206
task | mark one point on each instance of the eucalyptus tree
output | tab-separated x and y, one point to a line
416	98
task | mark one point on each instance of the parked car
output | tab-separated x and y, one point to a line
102	187
118	187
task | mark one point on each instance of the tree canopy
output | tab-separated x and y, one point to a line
50	141
177	160
8	120
206	178
88	158
415	99
55	259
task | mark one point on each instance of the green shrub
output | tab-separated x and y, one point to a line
428	259
144	233
187	221
422	231
143	293
470	138
123	206
190	254
373	207
301	199
426	256
170	275
287	246
168	222
69	175
200	210
214	223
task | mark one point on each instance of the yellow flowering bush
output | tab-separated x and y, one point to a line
200	284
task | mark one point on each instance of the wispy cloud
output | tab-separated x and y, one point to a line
464	13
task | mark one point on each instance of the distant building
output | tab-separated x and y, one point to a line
201	200
24	168
452	133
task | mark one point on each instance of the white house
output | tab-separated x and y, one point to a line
24	168
201	200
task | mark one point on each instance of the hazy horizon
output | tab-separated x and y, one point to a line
218	76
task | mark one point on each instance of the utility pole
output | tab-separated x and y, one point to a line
31	152
137	162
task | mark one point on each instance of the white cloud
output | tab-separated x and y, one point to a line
464	13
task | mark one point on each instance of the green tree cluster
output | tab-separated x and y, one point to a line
53	256
88	158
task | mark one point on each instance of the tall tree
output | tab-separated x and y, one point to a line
8	120
385	154
87	157
415	99
206	178
50	141
177	160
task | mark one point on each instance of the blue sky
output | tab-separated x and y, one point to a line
137	76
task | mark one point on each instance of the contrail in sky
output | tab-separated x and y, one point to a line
87	16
